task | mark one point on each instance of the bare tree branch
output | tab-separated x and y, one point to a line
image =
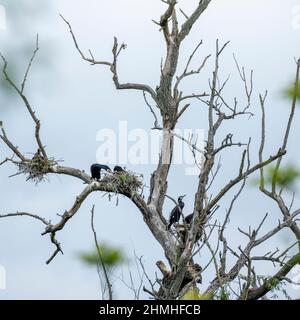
26	102
109	285
288	128
113	65
20	214
188	24
240	177
273	281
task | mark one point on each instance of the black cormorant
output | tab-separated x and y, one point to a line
176	212
118	169
96	170
189	218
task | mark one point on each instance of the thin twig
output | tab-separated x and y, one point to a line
109	286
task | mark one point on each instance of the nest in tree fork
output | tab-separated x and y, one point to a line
126	182
37	168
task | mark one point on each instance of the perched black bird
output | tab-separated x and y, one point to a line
96	170
176	212
118	169
189	218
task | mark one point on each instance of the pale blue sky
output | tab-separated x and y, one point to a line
75	100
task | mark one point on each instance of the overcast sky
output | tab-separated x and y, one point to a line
75	100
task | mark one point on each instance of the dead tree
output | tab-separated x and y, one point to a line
180	248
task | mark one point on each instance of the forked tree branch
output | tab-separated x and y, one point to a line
273	281
25	100
113	65
188	24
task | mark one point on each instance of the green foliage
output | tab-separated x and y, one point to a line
112	257
272	283
276	286
287	177
292	91
194	294
224	295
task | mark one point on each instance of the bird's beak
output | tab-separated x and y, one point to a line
183	195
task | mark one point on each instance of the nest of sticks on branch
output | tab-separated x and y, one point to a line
37	168
126	182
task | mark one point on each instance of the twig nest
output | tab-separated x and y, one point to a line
124	182
37	168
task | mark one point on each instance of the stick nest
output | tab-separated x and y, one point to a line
123	182
37	168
